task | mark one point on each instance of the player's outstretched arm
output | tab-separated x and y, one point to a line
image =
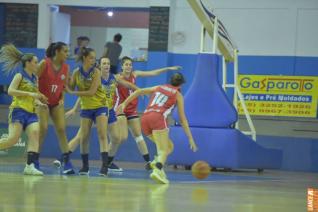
135	94
125	83
156	72
72	111
184	121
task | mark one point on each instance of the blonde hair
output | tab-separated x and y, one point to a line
11	58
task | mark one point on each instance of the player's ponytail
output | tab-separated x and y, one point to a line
53	47
11	58
177	79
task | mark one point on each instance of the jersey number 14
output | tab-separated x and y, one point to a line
159	99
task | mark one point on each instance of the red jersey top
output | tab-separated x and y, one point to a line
124	92
51	82
163	100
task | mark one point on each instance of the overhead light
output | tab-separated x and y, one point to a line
110	13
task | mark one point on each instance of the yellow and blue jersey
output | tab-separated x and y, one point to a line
110	86
83	82
29	84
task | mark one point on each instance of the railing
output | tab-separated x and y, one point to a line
215	28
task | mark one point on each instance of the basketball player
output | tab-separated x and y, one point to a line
53	77
87	79
154	124
26	97
129	117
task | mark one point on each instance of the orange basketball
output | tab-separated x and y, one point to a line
200	170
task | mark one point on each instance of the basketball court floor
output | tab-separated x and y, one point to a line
132	190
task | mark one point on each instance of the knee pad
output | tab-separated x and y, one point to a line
139	139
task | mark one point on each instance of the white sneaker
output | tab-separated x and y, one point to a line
5	135
159	176
31	170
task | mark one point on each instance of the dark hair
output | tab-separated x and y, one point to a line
118	37
123	60
51	50
11	57
81	38
84	52
177	79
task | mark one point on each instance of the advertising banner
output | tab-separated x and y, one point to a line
271	95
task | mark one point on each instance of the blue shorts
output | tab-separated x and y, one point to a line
93	113
112	118
23	117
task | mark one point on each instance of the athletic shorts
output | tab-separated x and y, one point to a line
23	117
112	118
153	121
94	113
130	114
52	106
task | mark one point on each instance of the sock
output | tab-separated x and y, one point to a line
146	157
30	158
159	165
66	157
104	158
36	156
85	160
110	160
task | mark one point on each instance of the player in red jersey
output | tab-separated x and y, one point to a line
53	78
154	123
129	117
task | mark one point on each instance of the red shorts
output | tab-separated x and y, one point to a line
153	121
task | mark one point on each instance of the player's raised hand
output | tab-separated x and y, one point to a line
175	68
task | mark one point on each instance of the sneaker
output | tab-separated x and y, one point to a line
68	168
114	168
103	171
31	170
5	135
57	163
151	164
84	171
159	176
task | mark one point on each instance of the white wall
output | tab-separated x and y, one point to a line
284	27
62	22
258	27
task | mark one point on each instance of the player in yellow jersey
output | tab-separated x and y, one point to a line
26	97
93	101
